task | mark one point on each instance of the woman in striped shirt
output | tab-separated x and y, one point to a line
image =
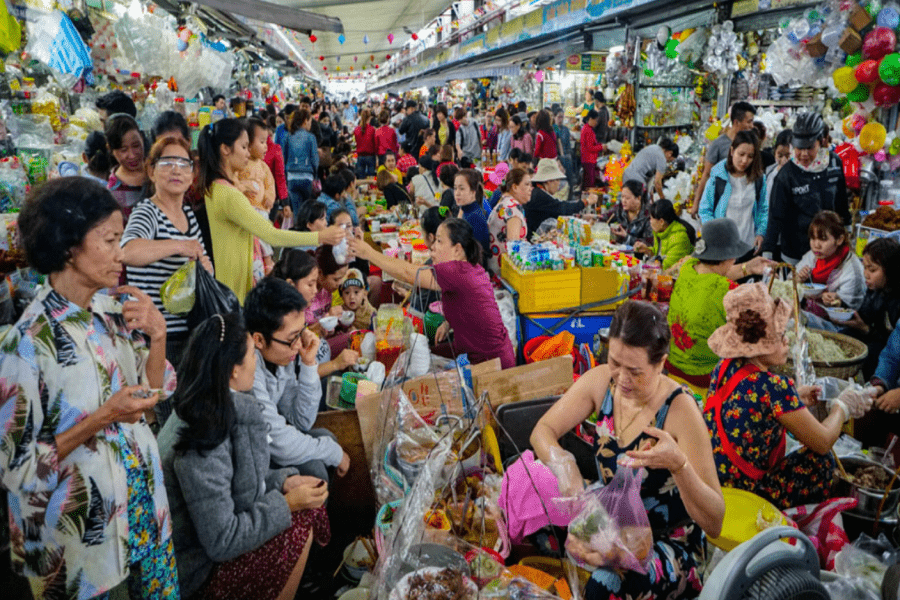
162	233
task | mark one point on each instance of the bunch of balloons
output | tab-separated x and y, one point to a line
875	71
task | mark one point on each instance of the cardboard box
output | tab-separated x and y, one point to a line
850	41
859	18
815	47
528	382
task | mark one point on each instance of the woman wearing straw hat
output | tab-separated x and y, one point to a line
695	310
750	408
543	204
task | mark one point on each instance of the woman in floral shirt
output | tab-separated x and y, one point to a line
87	505
507	220
750	409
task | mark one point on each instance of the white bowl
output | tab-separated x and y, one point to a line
347	317
328	323
812	290
839	314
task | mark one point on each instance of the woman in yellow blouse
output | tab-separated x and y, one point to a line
233	223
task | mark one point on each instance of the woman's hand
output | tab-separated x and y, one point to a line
831	299
344	467
757	244
142	314
618	231
889	402
757	265
442	332
206	264
641	248
663	454
361	248
307	495
336	310
332	235
591	200
856	322
309	347
125	407
294	481
346	359
810	395
190	248
563	466
803	274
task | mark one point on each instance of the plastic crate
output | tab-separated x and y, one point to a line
584	326
543	291
600	283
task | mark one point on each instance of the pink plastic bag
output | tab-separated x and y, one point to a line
612	529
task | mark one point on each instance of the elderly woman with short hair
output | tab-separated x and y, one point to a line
81	467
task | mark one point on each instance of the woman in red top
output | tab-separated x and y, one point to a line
366	145
274	159
545	140
386	136
590	149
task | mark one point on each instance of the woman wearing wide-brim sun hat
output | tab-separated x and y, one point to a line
696	309
750	408
543	204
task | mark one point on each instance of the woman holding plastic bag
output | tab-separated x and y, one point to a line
163	234
680	491
750	409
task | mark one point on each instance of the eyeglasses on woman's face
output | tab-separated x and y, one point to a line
174	163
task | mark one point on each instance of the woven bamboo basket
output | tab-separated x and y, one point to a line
842	369
854	349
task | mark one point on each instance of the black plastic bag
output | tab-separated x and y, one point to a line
212	298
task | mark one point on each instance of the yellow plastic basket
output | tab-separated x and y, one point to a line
543	291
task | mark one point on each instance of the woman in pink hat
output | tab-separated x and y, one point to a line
750	408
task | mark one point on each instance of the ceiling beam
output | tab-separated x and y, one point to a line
324	3
267	12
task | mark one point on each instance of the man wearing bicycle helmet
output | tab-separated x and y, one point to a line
812	181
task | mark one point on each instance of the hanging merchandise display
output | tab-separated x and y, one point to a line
722	50
66	54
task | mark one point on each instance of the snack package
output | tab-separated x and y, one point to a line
612	528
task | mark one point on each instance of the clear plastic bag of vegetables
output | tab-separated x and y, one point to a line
611	528
179	291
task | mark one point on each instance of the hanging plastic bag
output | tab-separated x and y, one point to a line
612	529
211	298
54	41
178	291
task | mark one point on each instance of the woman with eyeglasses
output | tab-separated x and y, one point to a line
162	233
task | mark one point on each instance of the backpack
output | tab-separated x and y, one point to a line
719	190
